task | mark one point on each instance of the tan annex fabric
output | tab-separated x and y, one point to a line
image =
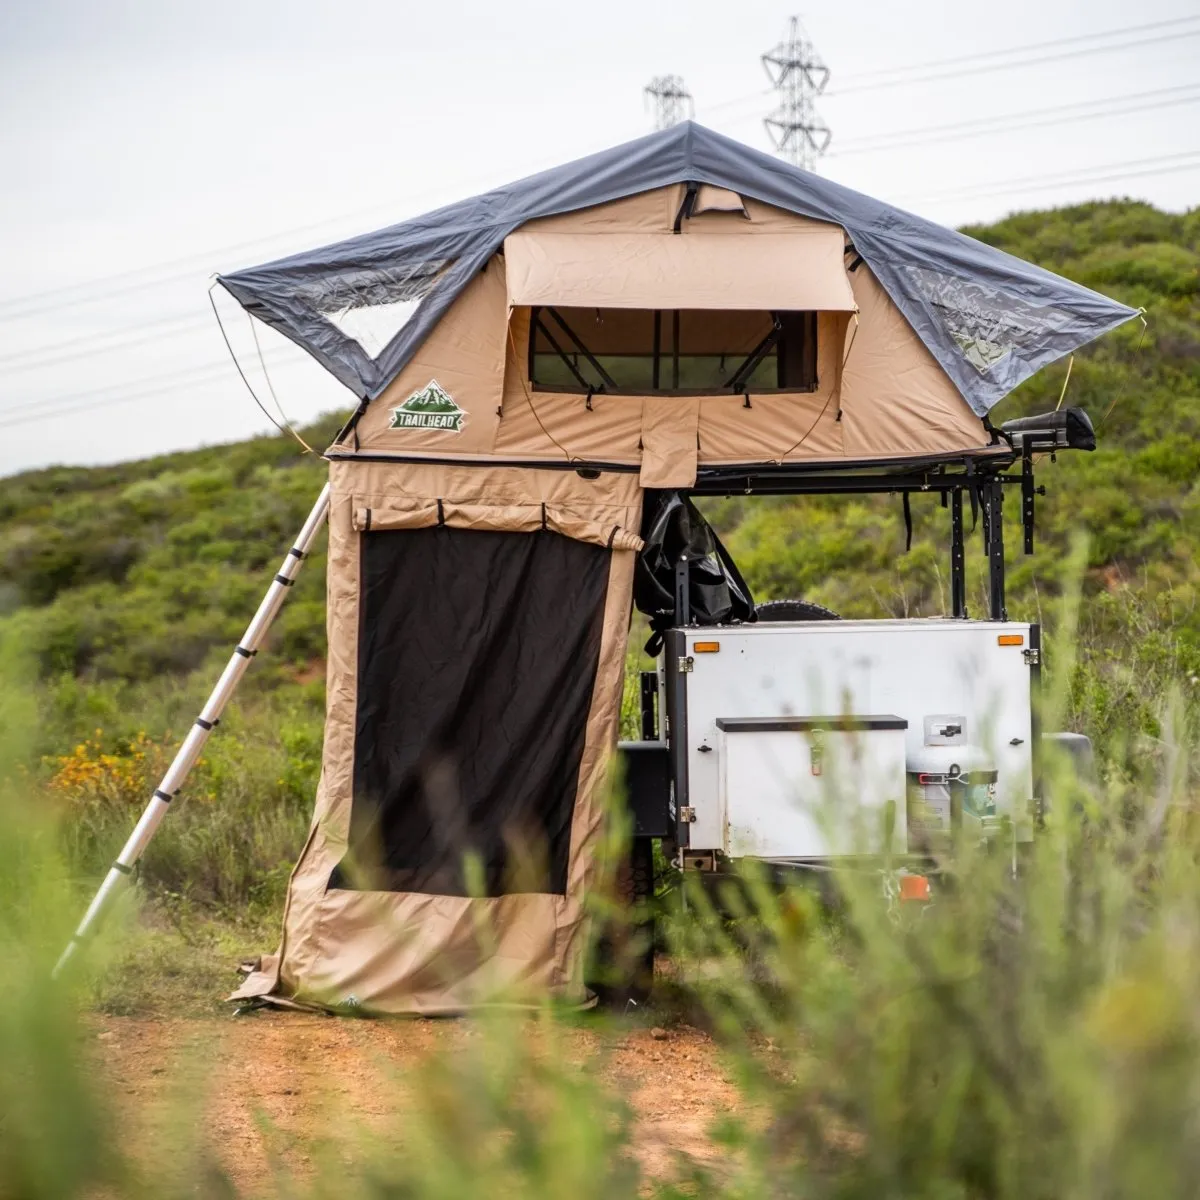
395	952
670	428
515	518
464	355
896	399
802	271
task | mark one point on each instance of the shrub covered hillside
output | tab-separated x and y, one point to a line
127	585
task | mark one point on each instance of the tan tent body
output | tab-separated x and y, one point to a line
880	395
485	525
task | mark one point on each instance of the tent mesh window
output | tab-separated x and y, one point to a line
371	305
477	659
639	352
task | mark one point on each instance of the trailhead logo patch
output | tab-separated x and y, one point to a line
432	407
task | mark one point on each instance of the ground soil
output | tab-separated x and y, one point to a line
267	1082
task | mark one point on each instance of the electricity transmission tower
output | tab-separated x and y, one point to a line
671	100
799	76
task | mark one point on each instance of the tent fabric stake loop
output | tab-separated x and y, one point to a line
187	755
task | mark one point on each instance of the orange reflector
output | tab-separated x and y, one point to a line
1011	639
914	887
706	647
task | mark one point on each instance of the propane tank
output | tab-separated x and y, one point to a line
951	787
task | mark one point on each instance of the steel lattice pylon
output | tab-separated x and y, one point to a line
799	76
671	100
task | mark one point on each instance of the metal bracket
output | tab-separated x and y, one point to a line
1032	656
686	664
687	814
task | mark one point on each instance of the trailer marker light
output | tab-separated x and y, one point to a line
706	647
914	887
1011	639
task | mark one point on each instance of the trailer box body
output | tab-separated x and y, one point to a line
798	740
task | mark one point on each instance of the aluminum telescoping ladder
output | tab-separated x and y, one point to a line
210	714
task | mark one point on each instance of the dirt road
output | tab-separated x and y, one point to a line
296	1070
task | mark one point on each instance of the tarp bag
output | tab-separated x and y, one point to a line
717	593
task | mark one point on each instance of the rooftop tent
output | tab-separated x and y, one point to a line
988	319
530	362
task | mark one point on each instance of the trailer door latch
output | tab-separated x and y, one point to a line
686	662
687	814
1033	657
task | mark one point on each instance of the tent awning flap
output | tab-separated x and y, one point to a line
798	272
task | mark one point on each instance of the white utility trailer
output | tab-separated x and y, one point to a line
807	741
814	741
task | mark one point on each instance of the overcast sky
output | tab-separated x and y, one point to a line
146	144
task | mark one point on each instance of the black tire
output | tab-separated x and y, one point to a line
624	964
793	610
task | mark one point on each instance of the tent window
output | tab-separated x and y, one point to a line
640	352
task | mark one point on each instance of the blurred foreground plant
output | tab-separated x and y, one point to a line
55	1134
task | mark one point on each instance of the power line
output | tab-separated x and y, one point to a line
959	59
52	353
989	56
799	77
101	287
982	68
1110	172
1115	106
141	389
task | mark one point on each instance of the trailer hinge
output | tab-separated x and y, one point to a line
1033	657
687	814
685	664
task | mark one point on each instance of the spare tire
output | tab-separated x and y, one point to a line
793	610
